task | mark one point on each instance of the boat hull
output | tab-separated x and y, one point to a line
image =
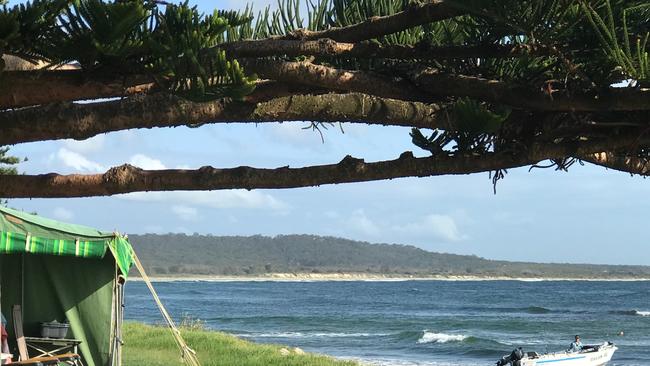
597	357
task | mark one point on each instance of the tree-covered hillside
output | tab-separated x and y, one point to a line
180	254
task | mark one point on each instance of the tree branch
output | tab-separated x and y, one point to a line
26	88
81	121
416	14
328	47
500	92
426	86
21	88
306	73
610	160
127	178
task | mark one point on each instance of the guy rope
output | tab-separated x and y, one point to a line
188	355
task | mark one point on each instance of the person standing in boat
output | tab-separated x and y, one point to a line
576	346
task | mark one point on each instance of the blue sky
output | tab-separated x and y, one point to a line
589	214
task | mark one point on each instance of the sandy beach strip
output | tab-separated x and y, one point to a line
308	277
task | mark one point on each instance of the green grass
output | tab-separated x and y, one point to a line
146	345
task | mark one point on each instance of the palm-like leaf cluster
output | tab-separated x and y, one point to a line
129	37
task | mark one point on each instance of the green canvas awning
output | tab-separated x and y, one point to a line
21	232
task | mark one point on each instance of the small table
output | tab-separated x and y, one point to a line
51	346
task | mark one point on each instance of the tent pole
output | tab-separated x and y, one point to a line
22	282
113	323
120	320
1	263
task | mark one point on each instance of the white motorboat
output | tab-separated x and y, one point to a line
589	356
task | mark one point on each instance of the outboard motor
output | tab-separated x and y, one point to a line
514	358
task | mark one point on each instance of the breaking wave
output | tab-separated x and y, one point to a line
430	337
631	312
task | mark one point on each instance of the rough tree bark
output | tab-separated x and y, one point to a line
26	88
81	121
36	105
329	48
306	73
127	178
417	14
425	86
501	92
621	162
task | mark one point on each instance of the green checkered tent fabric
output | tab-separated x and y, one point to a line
21	232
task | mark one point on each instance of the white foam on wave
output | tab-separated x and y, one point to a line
311	335
430	337
642	313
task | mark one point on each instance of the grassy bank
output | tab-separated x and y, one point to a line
146	345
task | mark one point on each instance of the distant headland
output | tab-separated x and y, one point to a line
318	258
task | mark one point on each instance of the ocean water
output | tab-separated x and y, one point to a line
415	322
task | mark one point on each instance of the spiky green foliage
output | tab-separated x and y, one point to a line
173	45
475	126
561	23
7	165
626	46
590	45
8	162
183	43
26	29
100	35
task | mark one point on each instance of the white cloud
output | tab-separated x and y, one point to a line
186	213
90	145
440	226
147	163
63	214
236	198
363	224
77	161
